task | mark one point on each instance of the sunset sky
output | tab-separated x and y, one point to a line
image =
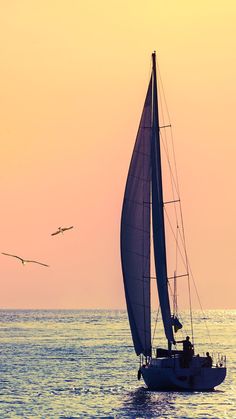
74	75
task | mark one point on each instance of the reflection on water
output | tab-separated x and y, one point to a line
141	402
81	364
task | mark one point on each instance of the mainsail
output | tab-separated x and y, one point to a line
145	180
135	234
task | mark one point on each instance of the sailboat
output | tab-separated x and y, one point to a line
143	233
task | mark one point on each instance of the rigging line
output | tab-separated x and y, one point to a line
175	298
154	332
170	169
192	276
165	142
160	101
173	184
165	103
175	179
162	113
163	119
174	157
199	301
176	183
176	260
185	257
163	91
183	330
161	97
187	267
177	246
172	141
168	219
190	309
171	132
184	262
171	292
183	232
176	253
178	191
171	175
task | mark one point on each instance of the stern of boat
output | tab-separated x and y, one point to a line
167	374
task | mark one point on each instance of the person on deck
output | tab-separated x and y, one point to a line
208	361
187	351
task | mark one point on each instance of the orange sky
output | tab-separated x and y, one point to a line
73	79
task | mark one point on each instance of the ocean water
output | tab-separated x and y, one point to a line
81	364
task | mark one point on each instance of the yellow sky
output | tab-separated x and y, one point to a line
73	76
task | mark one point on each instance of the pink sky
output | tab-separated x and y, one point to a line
73	79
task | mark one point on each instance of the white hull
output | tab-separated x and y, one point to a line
167	374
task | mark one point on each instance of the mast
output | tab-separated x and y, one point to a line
158	222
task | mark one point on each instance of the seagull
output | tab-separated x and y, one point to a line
24	261
61	230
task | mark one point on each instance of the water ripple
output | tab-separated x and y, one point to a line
81	364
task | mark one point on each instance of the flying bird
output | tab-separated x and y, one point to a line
61	230
24	261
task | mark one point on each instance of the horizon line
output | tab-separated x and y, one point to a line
98	309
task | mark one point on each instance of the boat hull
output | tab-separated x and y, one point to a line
167	374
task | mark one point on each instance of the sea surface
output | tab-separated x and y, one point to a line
81	364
